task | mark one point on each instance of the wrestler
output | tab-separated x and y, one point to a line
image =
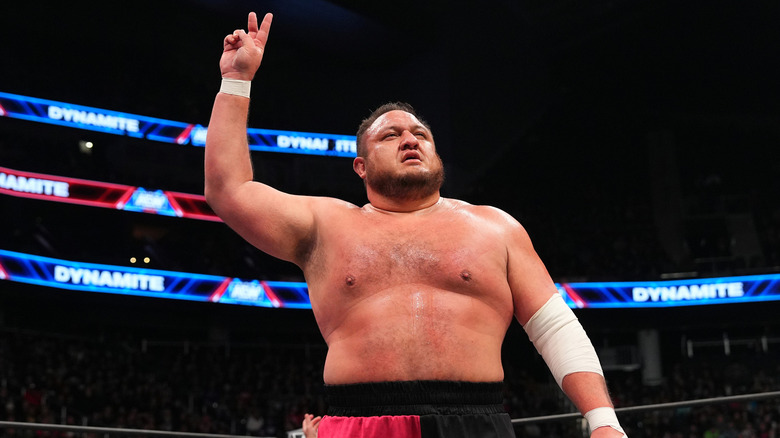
413	292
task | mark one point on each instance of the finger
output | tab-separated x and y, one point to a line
246	40
265	28
252	24
230	40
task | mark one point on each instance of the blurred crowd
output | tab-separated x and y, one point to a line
123	381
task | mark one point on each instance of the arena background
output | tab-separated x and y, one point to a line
634	140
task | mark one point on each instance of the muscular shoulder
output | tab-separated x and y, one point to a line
325	212
502	223
488	214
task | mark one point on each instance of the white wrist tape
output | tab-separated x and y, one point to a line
236	87
601	417
560	339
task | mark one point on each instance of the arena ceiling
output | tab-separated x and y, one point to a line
519	88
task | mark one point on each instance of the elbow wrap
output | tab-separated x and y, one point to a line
559	337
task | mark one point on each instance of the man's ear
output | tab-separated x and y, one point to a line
359	166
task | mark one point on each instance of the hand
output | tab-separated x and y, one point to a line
607	432
310	425
242	51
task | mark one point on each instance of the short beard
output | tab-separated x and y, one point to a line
407	187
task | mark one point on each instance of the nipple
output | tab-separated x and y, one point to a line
465	275
350	280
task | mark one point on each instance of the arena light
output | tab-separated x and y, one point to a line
85	146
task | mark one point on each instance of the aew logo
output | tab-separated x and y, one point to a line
155	200
246	291
149	201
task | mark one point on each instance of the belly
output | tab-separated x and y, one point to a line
416	332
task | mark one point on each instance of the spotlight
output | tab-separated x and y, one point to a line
86	146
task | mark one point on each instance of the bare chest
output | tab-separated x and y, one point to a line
446	254
415	257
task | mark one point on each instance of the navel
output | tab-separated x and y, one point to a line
465	275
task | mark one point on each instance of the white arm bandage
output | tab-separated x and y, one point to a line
236	87
560	339
601	417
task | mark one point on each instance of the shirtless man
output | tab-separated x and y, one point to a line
413	292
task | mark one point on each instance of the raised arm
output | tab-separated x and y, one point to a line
275	222
558	335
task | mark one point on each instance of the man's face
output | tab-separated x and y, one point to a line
400	159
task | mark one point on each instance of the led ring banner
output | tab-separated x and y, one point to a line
672	293
102	194
91	277
167	131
